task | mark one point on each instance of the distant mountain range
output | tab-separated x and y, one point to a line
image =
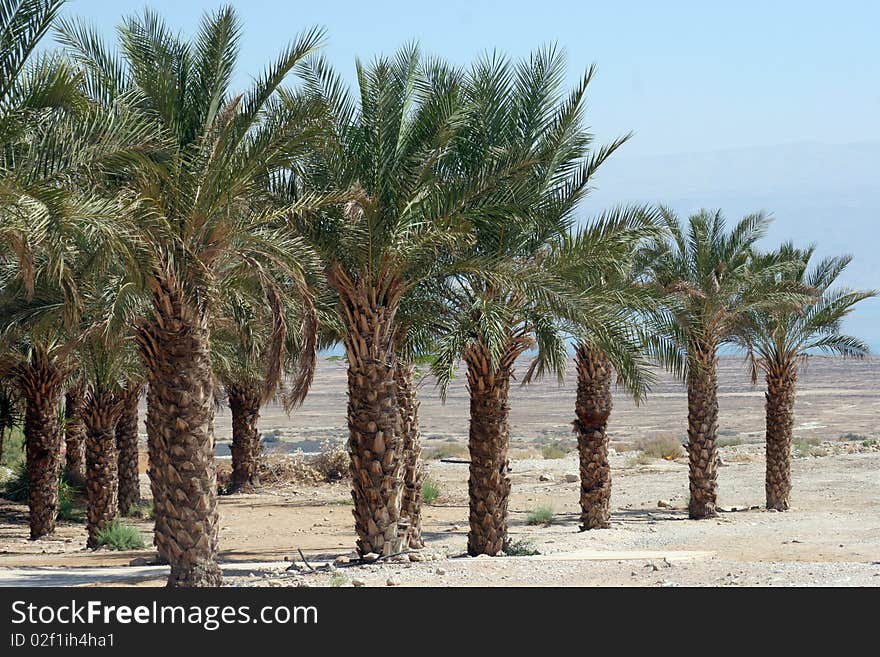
823	193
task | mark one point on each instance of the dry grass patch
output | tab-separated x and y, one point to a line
664	446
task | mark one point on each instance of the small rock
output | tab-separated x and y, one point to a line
440	571
370	557
652	566
416	556
572	478
663	505
340	560
545	477
392	581
139	561
358	582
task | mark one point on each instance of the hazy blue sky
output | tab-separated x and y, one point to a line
712	90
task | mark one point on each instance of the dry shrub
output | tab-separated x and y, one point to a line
662	446
332	462
448	451
281	470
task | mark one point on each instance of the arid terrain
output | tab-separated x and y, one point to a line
831	536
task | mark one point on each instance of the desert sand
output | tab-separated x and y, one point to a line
831	536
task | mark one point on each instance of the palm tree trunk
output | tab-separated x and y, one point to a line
413	476
127	448
247	447
102	481
489	435
702	388
593	407
781	382
75	433
41	380
175	347
374	442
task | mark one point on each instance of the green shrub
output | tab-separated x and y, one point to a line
540	515
334	359
521	548
554	451
729	441
13	448
803	447
855	437
143	510
338	579
430	491
68	502
119	536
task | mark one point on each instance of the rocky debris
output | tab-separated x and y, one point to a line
392	581
440	571
545	476
663	505
370	557
358	583
572	478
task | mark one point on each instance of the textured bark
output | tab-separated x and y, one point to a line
781	382
127	448
593	407
40	380
413	475
374	443
489	435
247	447
75	433
101	413
175	347
702	388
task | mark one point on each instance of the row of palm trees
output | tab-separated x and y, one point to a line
161	230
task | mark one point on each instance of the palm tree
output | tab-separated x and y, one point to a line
516	121
388	212
601	259
127	445
779	339
243	352
201	218
713	281
74	432
54	143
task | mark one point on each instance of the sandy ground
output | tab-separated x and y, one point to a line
830	537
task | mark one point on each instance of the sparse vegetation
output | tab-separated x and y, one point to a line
803	447
332	462
338	580
662	446
730	441
855	437
119	536
521	548
554	451
447	451
13	448
540	515
430	491
143	510
639	459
